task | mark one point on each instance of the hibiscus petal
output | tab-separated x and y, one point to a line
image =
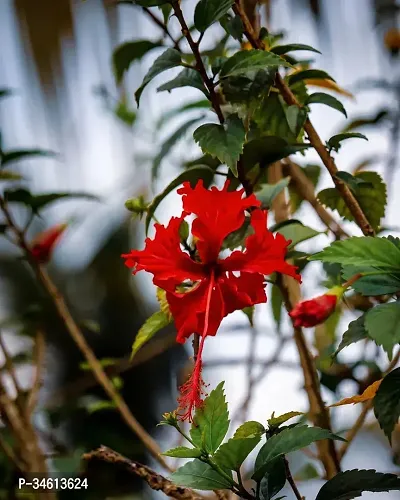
242	291
164	258
189	310
265	252
219	213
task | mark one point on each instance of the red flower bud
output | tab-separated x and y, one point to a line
315	311
45	242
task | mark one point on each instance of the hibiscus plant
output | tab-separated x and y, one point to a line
221	253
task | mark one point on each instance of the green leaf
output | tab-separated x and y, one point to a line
328	100
351	483
249	429
152	325
201	476
166	11
190	106
273	480
234	452
277	421
171	58
276	304
271	118
192	175
7	175
237	238
284	49
233	25
100	405
127	53
383	325
375	119
297	232
269	191
334	141
38	201
208	12
186	78
296	117
248	88
223	142
355	332
267	150
352	181
312	172
250	60
387	403
170	142
362	251
125	114
249	312
287	441
211	421
372	285
306	74
372	200
22	154
183	452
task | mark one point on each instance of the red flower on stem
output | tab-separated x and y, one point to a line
44	243
312	312
214	287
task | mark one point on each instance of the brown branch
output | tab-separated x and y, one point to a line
9	453
352	433
305	189
213	96
80	341
312	134
161	25
152	478
39	353
290	290
291	481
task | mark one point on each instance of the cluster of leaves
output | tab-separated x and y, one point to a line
217	463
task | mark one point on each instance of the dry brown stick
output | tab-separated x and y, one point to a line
290	290
312	134
9	453
10	367
364	412
152	478
305	189
80	341
39	353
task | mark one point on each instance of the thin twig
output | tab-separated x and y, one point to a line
290	290
9	365
290	479
9	453
39	354
305	189
161	25
312	134
152	478
80	341
352	433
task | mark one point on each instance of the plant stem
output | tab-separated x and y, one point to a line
312	135
80	341
213	96
290	290
291	480
161	25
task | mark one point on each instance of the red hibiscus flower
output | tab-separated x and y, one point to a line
312	312
215	287
44	243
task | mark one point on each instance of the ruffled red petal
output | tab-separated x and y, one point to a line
265	252
164	258
189	310
219	213
242	291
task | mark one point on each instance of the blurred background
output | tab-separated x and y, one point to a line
56	59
